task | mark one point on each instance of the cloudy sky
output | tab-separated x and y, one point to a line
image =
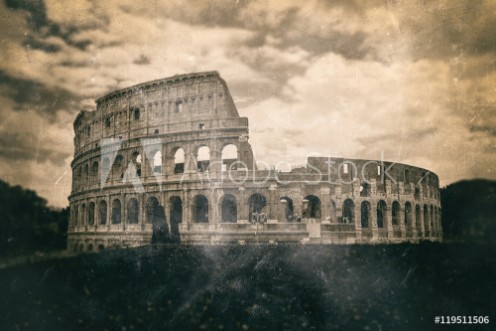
414	81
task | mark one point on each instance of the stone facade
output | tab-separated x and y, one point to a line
169	161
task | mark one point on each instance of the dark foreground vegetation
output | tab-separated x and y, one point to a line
27	224
469	211
171	287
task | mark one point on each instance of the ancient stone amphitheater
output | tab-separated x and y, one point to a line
169	161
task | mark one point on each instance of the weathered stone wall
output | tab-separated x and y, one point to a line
141	174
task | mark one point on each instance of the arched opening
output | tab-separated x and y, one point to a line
117	167
365	189
395	213
155	214
381	213
289	210
176	217
417	193
101	248
105	170
75	215
229	156
200	209
91	213
179	161
311	205
79	173
203	160
256	205
81	248
408	213
348	212
229	209
116	211
86	171
417	218
157	163
365	214
426	221
136	159
103	212
83	214
94	170
132	211
432	221
90	248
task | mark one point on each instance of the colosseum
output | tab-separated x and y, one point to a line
168	161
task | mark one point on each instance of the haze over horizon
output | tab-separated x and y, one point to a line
414	81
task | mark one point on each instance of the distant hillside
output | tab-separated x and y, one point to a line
469	210
27	224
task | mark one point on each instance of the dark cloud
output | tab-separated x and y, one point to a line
36	43
33	95
42	27
486	129
142	60
36	9
28	147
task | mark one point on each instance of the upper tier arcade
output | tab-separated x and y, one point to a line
181	103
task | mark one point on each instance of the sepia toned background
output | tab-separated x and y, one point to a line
414	80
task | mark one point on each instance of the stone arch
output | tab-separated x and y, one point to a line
75	216
101	247
94	170
83	214
288	209
89	248
116	211
104	170
118	166
365	189
102	209
229	157
348	211
426	221
408	213
256	206
200	209
432	220
365	214
157	163
381	213
417	218
176	217
155	214
86	171
179	160
79	173
91	213
136	159
417	193
132	211
203	158
229	209
395	213
313	208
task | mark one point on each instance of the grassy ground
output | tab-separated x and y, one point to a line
395	287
